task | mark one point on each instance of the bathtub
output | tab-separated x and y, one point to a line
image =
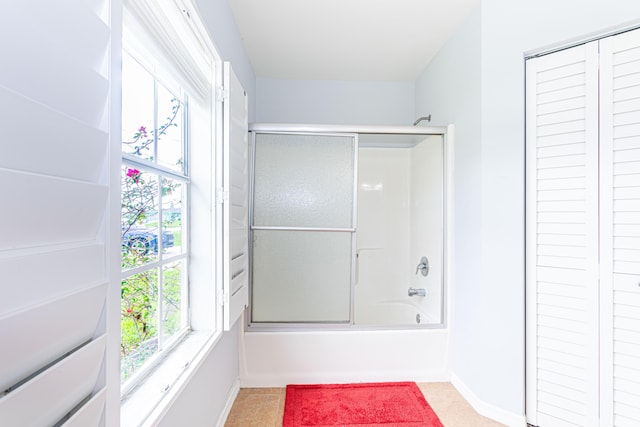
275	359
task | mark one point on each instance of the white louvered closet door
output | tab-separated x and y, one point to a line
54	143
620	228
562	238
583	235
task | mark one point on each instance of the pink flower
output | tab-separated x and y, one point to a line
134	174
143	131
129	310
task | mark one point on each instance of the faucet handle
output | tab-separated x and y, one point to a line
423	266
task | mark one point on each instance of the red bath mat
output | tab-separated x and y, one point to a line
398	404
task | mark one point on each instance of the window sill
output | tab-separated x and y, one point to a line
150	399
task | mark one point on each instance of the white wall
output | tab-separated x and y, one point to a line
426	232
334	102
487	55
203	399
399	221
383	232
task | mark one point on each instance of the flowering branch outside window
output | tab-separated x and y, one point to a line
142	237
143	139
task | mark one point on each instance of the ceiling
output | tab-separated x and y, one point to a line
357	40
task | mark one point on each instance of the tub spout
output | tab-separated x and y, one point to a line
421	292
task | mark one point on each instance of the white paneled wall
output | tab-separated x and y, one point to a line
54	98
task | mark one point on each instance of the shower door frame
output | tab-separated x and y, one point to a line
297	325
350	131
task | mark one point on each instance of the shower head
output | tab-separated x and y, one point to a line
427	118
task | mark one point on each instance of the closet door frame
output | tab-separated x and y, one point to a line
537	262
609	277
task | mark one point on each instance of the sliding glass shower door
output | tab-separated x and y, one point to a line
303	226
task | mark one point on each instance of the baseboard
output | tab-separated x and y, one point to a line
490	411
231	397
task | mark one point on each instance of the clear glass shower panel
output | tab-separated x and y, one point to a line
301	276
303	180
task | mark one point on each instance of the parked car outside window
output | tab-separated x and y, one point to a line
143	240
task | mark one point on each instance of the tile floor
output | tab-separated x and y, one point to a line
264	407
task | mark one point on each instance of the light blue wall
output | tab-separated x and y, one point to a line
449	90
204	398
219	20
334	102
488	328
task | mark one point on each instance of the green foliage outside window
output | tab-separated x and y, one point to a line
143	303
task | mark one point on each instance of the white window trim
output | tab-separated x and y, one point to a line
152	397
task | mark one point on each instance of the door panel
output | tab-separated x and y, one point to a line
620	228
583	237
302	228
562	257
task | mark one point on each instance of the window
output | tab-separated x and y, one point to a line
154	218
169	125
176	224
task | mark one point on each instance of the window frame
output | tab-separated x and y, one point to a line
161	172
151	397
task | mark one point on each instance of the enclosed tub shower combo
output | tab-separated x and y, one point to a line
348	265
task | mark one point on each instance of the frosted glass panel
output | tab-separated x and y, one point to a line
301	276
303	180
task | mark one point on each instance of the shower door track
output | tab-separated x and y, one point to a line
349	129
